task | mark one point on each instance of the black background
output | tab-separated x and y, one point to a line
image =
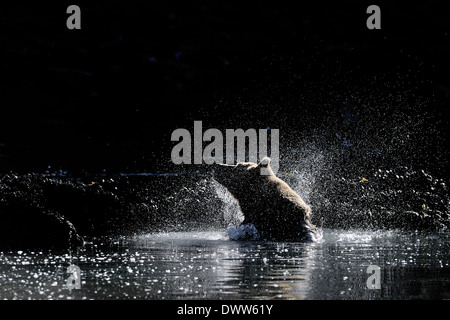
107	97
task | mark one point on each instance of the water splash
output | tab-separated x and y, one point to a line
233	215
372	162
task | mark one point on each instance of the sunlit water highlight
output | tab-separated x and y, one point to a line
208	265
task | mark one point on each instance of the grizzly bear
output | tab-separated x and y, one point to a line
267	202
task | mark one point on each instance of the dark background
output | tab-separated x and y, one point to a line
106	98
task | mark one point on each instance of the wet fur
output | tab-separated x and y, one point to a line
266	201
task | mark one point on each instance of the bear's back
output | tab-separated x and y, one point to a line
273	197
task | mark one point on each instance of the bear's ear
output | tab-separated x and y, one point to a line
265	162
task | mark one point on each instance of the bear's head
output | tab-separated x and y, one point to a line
236	177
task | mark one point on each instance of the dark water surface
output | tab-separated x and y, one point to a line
208	265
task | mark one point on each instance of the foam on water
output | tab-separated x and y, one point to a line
243	232
183	236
